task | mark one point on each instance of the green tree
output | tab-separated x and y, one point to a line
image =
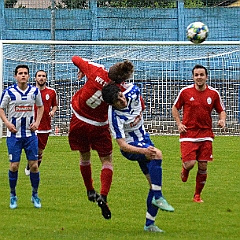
193	4
73	4
143	3
121	3
138	3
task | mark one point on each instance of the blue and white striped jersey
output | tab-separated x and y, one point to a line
19	108
128	122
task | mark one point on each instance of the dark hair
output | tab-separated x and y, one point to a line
40	71
21	66
199	66
121	71
110	93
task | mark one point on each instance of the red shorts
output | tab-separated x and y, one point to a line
42	140
200	151
84	137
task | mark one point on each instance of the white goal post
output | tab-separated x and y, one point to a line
161	70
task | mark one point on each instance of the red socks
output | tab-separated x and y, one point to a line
106	179
86	171
200	181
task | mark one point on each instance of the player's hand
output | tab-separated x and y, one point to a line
182	128
11	127
33	127
151	152
80	74
221	123
51	114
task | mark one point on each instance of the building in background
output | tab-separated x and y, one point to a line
36	3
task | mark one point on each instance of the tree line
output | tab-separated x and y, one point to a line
72	4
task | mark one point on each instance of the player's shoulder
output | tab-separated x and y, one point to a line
212	88
126	86
130	87
33	88
10	90
213	91
13	86
113	113
187	88
117	114
50	89
7	91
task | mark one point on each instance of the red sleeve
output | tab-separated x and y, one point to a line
219	105
80	63
178	103
55	100
142	103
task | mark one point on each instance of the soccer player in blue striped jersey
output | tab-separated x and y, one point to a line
18	101
127	127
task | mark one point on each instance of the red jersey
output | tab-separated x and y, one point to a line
197	108
49	98
87	102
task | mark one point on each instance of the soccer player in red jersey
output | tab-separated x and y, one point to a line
89	128
197	102
50	102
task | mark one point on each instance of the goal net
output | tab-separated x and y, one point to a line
161	70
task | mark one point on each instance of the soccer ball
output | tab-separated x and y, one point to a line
197	32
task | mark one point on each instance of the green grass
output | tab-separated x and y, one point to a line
67	214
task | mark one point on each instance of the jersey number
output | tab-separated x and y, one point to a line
95	100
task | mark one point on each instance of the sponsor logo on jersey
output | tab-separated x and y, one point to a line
23	108
136	121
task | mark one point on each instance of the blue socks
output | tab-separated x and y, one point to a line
151	210
35	179
13	177
155	172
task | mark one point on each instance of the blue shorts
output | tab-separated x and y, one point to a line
142	160
15	146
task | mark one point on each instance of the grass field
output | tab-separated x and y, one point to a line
67	214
